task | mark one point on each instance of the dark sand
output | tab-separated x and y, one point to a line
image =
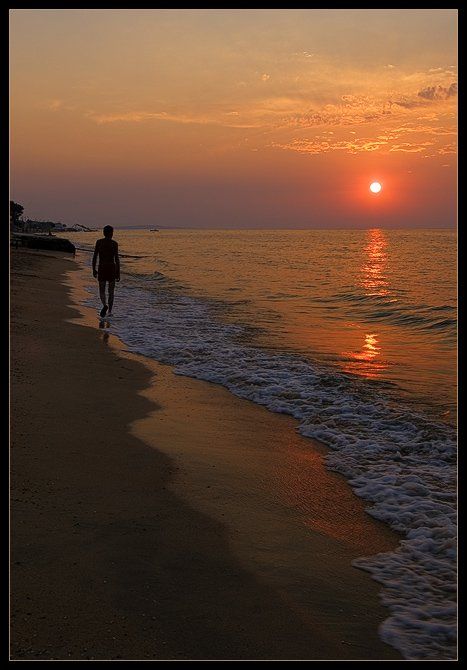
143	525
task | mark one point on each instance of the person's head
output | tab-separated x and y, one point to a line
108	231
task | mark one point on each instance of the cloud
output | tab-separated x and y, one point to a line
352	110
130	117
405	101
438	92
393	109
57	105
410	148
142	116
319	147
448	149
304	54
356	109
383	143
411	128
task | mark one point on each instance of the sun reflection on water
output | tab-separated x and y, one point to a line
374	279
368	362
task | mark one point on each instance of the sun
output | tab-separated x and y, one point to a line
375	187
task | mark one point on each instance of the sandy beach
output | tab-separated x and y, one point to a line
155	516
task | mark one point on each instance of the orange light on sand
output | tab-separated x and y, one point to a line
375	187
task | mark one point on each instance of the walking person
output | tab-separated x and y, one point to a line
108	270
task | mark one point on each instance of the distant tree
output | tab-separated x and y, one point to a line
16	211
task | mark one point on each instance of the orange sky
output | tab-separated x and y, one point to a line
235	118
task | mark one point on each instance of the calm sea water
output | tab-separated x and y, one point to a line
351	332
377	304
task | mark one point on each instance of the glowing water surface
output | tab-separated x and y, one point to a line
375	303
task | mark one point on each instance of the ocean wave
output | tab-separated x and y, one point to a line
397	459
392	310
88	248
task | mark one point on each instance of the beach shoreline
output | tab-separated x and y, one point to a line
125	545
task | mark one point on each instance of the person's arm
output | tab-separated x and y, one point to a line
94	259
117	263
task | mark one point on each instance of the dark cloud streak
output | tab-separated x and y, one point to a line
438	92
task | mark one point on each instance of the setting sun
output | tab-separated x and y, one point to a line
375	187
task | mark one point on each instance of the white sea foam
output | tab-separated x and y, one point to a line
402	462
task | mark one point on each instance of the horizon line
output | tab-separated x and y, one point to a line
125	227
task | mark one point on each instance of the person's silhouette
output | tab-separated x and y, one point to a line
106	250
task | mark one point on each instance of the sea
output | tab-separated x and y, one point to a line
352	333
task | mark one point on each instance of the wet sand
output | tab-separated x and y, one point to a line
159	517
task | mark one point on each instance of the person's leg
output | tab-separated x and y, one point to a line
102	292
111	294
